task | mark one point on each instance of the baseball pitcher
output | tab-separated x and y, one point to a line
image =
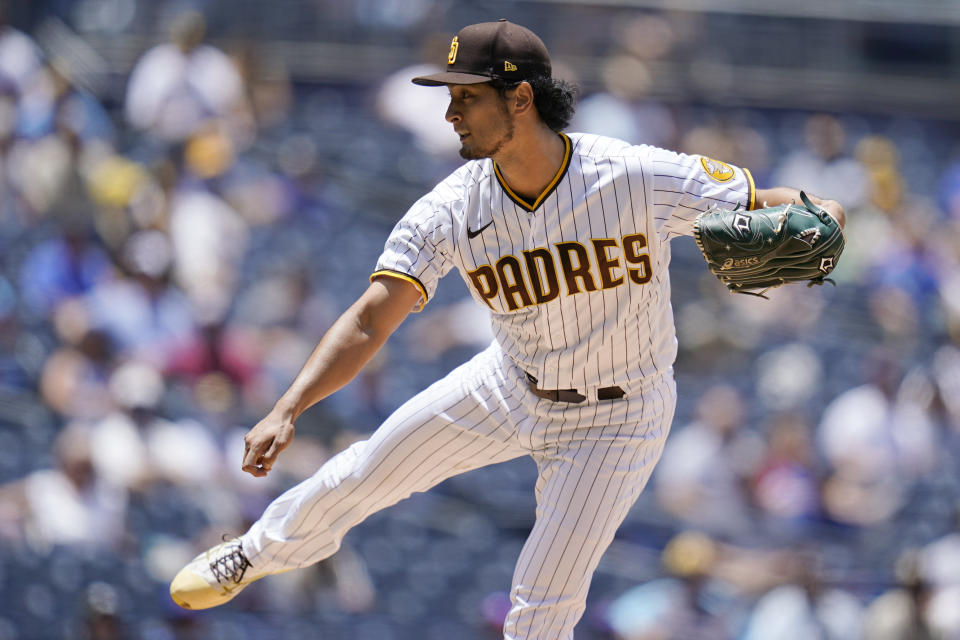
565	238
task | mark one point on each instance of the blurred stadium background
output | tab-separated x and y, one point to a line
190	192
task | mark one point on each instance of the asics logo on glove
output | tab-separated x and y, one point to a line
737	263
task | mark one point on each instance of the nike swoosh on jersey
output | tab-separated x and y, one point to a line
473	234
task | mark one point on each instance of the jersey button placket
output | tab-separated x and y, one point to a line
537	236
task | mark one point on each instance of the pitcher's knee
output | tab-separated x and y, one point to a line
543	613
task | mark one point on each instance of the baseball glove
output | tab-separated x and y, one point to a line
754	251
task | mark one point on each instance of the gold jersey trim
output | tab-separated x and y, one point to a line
532	206
753	190
407	278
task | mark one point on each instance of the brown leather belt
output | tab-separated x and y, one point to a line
572	395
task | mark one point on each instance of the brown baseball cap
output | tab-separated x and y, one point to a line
492	50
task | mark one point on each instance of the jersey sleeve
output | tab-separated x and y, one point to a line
684	186
417	249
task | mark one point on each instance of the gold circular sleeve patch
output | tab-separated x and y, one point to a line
718	171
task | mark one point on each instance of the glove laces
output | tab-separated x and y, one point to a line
820	280
230	565
825	217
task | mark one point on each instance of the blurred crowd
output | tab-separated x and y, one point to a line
168	261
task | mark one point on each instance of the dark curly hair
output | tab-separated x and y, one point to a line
554	99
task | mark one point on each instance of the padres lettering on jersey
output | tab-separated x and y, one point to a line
535	280
576	280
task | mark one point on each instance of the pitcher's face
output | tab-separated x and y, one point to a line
480	116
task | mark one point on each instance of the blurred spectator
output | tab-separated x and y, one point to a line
208	241
895	313
20	58
184	453
45	173
949	301
257	192
143	315
877	439
175	88
419	112
54	104
10	215
785	484
217	359
807	609
267	80
118	452
102	613
701	477
342	578
946	376
949	189
61	267
74	378
60	133
939	568
129	196
908	265
13	374
624	109
679	606
69	504
461	324
900	613
825	165
788	376
881	160
874	226
731	142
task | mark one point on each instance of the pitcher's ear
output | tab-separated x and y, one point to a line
523	97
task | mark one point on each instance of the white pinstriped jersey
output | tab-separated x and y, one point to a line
577	280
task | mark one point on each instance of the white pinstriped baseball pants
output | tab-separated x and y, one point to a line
594	459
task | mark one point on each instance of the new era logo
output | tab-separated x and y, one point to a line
509	66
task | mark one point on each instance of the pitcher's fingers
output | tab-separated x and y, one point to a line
279	444
256	471
253	452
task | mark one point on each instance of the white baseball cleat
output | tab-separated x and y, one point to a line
214	577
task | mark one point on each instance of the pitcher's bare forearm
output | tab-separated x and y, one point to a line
340	355
346	348
788	195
